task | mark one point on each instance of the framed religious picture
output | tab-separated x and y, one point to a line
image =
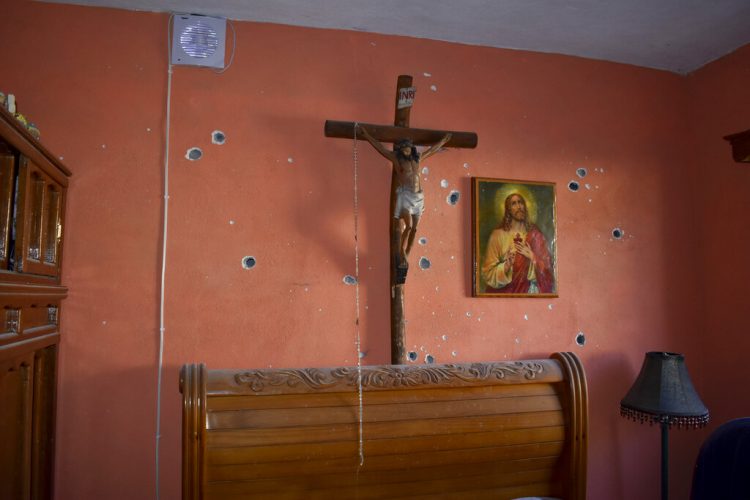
514	238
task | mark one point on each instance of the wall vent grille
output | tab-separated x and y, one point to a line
198	41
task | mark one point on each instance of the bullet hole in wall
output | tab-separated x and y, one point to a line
429	359
574	186
581	339
248	262
581	172
194	154
350	280
412	356
218	137
424	263
617	233
453	197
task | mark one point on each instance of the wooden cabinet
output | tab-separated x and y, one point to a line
33	185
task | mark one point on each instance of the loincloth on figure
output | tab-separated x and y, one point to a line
408	201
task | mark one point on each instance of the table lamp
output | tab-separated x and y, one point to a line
664	394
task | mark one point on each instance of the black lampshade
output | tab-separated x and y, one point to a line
664	393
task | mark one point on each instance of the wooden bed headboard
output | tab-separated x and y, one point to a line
481	430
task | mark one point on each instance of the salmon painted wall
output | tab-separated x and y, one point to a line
721	106
95	82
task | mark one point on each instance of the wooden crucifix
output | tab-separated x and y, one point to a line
406	139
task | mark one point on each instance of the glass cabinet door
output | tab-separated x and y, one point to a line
7	185
37	221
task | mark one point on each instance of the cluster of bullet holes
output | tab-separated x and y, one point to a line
194	154
581	339
429	359
350	280
248	262
412	356
424	263
617	233
581	172
453	197
218	137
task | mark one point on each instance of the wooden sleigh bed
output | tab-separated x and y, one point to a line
481	430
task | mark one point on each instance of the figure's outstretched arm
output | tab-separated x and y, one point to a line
376	144
436	147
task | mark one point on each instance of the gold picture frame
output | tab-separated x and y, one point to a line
514	238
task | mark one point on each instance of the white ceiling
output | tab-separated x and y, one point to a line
674	35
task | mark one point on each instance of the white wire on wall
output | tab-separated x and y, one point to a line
163	252
168	120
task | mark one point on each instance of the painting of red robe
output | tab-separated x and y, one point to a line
514	238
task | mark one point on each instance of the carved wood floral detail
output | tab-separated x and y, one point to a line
389	377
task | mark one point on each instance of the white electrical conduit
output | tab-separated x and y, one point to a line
164	235
163	251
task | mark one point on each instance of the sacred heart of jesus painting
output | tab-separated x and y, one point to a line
514	238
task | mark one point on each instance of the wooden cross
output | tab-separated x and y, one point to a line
392	134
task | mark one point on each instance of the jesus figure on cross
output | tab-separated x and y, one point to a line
409	194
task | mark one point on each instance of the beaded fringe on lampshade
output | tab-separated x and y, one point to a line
664	394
